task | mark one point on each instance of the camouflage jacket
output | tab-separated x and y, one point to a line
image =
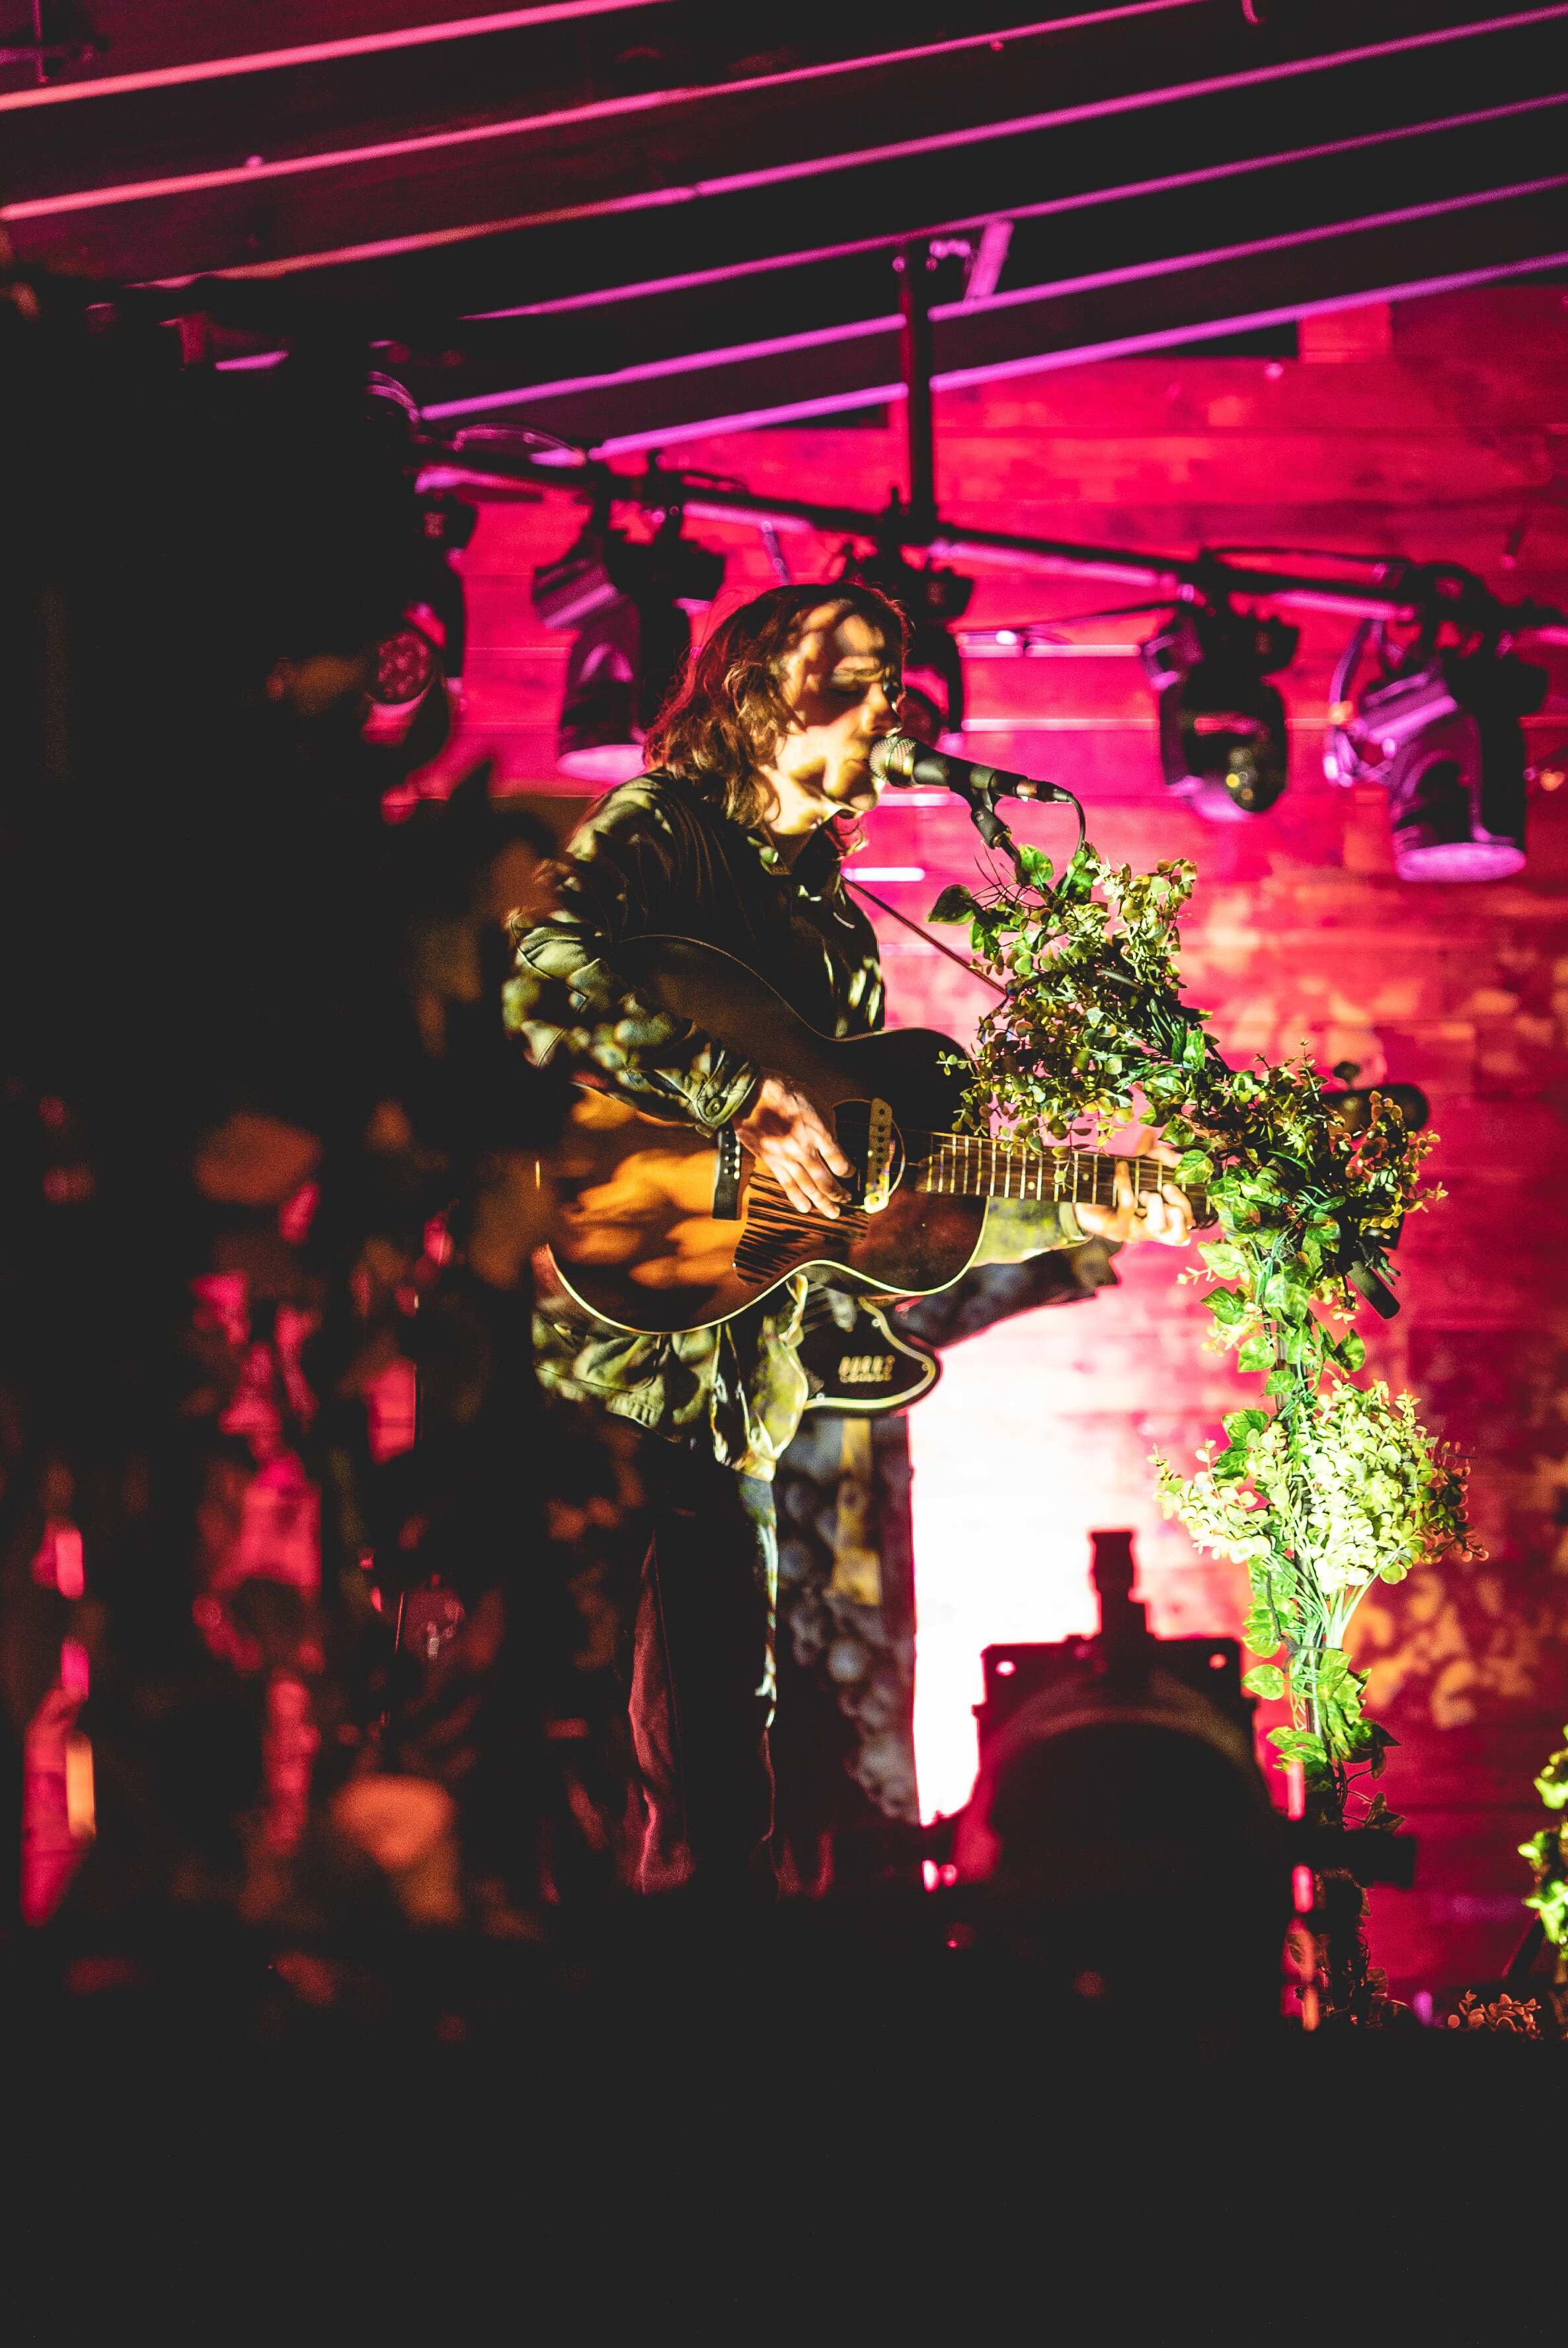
656	858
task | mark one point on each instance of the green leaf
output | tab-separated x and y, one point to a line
1334	1675
954	904
1037	868
1351	1351
1266	1680
1239	1424
1298	1744
1339	1690
1286	1293
1260	1631
1225	1261
1282	1381
1375	1741
1256	1353
1225	1306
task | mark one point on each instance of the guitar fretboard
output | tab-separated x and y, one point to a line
972	1166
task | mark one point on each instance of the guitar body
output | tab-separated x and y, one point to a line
638	1243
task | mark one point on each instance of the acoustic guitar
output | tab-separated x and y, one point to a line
639	1242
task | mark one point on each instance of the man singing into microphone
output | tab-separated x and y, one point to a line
730	838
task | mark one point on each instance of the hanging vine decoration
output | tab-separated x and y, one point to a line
1326	1486
1548	1855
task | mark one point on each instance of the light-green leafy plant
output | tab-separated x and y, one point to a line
1548	1855
1329	1485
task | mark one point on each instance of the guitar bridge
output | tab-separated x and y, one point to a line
726	1177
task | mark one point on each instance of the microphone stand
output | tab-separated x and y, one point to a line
982	815
981	800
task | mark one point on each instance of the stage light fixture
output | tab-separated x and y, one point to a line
628	607
1222	740
932	599
1439	730
429	639
448	523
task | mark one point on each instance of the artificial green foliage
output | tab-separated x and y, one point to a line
1548	1856
1550	1898
1325	1487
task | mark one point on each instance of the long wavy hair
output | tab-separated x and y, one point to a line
727	716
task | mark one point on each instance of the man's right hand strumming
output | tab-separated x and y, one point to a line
785	1132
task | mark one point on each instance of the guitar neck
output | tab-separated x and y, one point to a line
972	1166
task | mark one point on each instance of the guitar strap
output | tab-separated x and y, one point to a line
726	1177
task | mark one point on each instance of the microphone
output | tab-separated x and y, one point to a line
898	760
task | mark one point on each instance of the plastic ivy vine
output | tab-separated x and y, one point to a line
1329	1485
1548	1855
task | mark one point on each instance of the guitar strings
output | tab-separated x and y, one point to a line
966	1165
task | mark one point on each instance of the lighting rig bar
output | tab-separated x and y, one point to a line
1396	594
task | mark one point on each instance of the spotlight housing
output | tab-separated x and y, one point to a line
1223	739
932	598
431	637
628	607
1440	732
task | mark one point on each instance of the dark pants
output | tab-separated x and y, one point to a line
702	1682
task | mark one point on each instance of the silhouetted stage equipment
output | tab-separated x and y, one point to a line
628	609
1015	1675
1128	1675
1121	1839
1119	1760
1223	741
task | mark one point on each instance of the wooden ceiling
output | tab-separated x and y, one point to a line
631	220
